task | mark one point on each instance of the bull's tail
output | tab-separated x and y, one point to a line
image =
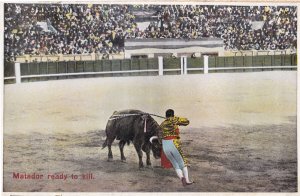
104	144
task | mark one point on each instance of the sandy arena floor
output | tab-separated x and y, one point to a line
242	135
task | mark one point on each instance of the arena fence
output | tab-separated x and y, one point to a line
41	71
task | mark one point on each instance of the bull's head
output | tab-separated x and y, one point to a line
152	129
155	146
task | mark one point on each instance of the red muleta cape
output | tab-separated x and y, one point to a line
165	163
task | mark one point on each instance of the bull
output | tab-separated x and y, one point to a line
137	127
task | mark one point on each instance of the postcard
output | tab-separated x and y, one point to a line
153	97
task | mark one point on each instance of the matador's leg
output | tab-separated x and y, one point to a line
177	143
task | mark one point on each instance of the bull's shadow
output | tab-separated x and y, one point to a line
92	141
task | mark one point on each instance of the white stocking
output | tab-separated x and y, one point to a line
179	173
186	174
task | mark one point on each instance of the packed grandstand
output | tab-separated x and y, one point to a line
99	28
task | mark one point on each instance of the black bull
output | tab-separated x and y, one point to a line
133	126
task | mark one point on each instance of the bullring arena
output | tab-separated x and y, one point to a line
241	137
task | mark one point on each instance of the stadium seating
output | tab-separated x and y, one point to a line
102	29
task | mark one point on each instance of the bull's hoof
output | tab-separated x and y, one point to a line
110	159
149	166
123	160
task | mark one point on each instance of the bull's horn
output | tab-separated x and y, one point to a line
152	138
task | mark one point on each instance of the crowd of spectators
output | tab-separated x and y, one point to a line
231	23
100	28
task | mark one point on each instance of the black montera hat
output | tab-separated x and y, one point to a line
169	113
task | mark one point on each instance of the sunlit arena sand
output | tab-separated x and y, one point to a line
241	137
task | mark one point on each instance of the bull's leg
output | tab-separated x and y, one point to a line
109	142
110	155
121	146
138	148
148	158
146	149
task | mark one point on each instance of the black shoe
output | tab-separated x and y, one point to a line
185	183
